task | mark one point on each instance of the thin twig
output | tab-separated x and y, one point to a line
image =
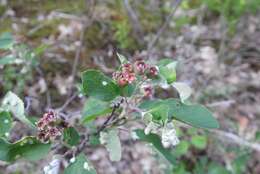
232	138
133	17
86	24
175	6
225	103
66	16
67	102
107	121
134	20
77	54
83	143
48	95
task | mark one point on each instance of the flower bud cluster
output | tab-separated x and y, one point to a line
125	76
129	73
49	126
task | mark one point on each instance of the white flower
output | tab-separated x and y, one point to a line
86	166
151	128
53	167
46	169
7	134
104	83
169	137
134	135
72	160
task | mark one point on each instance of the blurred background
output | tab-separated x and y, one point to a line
217	44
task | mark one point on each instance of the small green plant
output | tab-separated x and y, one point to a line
16	63
127	96
122	33
231	10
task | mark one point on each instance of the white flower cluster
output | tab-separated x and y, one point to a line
168	133
169	136
152	128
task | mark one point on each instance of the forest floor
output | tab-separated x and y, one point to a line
223	70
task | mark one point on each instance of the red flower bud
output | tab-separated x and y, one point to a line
43	136
122	82
148	91
153	71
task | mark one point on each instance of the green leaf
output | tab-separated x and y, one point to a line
156	142
167	69
195	115
121	58
4	149
127	90
80	166
94	108
183	89
15	105
27	148
160	113
257	136
5	123
182	148
199	141
97	85
6	41
214	168
40	49
94	140
71	136
9	59
112	143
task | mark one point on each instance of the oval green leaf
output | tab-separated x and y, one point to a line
97	85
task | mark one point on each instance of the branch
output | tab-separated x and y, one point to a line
86	24
175	6
134	20
83	143
107	121
237	140
67	102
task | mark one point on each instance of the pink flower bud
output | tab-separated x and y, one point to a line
130	77
49	117
127	68
116	75
53	132
140	66
41	124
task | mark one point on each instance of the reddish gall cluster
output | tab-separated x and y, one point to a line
127	74
49	127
